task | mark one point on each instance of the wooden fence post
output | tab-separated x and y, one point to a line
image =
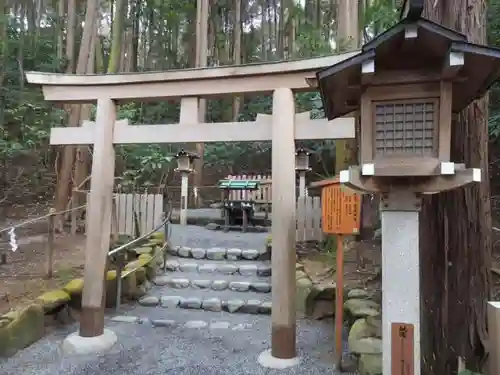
3	255
50	243
74	212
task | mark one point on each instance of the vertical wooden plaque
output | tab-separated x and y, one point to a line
402	345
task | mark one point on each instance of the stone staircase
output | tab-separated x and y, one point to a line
213	280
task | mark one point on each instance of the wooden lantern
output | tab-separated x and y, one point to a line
185	161
407	84
302	160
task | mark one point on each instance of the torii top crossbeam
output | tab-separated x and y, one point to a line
200	82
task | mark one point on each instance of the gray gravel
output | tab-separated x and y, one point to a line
209	213
194	236
190	342
142	349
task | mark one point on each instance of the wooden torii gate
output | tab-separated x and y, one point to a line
283	127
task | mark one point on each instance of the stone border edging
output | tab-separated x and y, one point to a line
363	317
313	300
24	326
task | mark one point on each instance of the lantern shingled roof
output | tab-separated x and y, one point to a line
183	153
418	46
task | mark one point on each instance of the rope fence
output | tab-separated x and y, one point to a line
119	254
41	218
12	237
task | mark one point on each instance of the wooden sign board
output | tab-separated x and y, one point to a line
341	210
402	349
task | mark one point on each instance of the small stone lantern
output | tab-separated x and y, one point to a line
302	166
185	161
407	84
185	165
302	160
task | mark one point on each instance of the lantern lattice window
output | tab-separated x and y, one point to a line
408	127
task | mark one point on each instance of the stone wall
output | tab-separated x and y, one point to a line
313	300
363	316
23	327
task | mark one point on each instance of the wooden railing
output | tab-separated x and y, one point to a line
262	196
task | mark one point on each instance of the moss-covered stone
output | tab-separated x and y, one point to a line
4	320
376	323
140	275
53	300
300	275
361	329
155	242
360	308
145	257
370	364
130	287
111	275
143	250
366	345
133	264
269	240
303	288
75	289
25	328
138	268
123	239
75	286
358	294
158	236
324	291
148	265
158	255
11	315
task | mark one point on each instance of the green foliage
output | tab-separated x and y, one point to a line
167	28
378	16
25	118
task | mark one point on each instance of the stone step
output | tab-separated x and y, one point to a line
219	253
236	285
209	303
247	268
146	315
217	325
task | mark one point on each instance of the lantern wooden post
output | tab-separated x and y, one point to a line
185	165
302	166
184	197
341	215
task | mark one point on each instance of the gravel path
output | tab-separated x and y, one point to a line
189	342
210	213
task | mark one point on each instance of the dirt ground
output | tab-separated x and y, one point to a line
322	266
361	264
24	276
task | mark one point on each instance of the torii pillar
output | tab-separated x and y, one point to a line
92	334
